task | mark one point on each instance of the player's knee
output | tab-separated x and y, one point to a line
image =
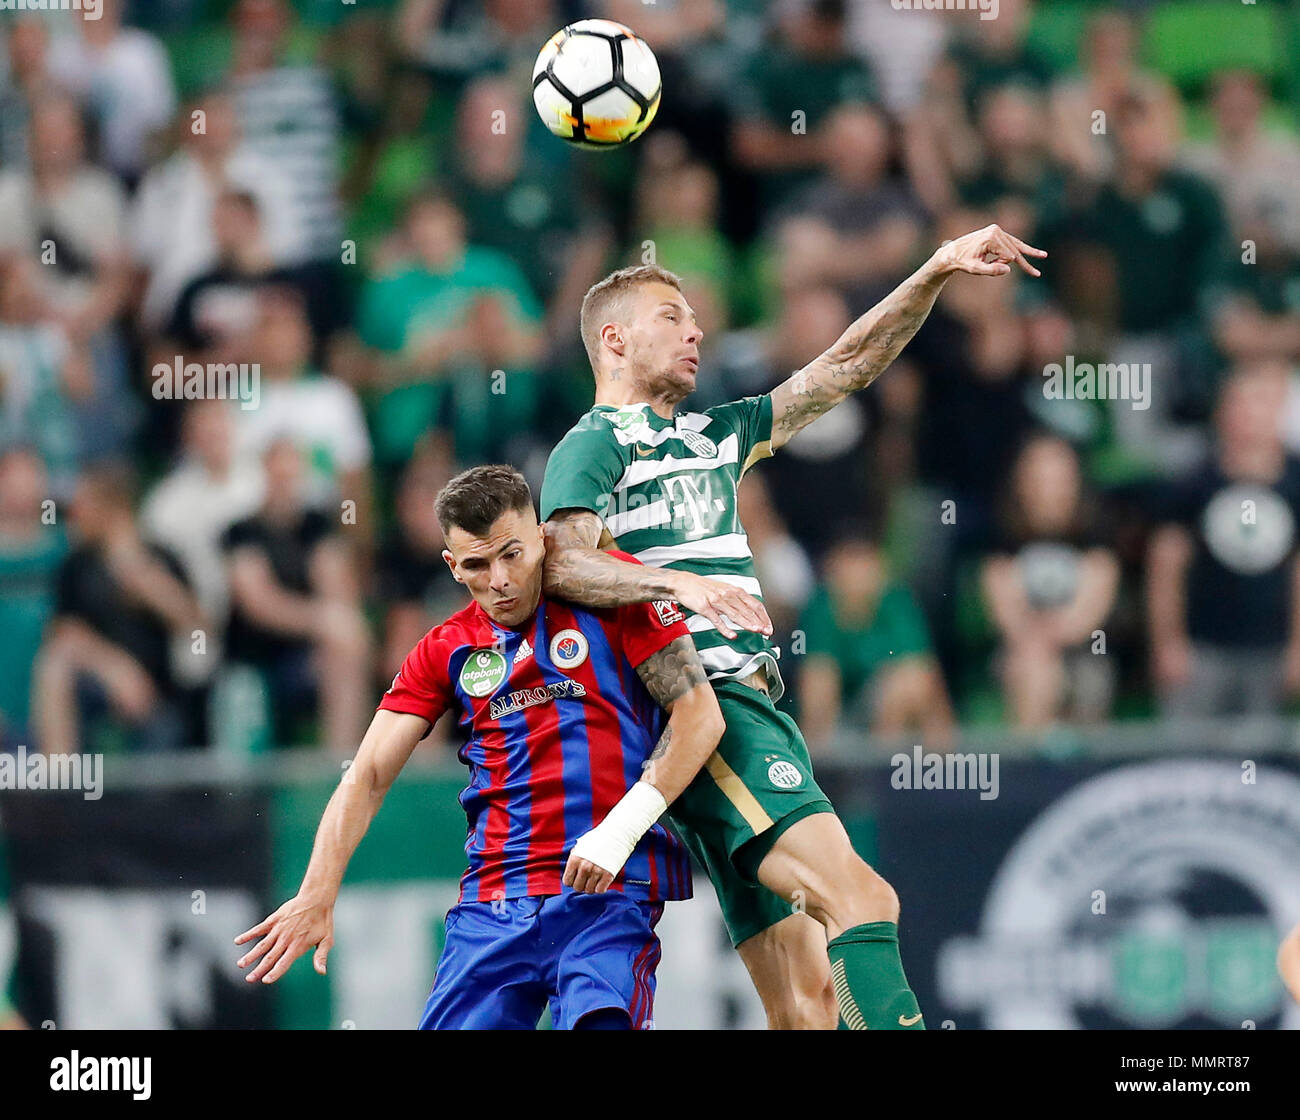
866	897
810	1015
813	1009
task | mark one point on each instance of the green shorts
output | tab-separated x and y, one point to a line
756	784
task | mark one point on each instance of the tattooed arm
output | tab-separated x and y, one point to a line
675	678
862	352
577	570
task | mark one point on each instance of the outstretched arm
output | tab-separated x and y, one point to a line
675	678
307	919
862	352
579	571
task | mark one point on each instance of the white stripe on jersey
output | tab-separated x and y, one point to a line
649	516
723	661
725	546
643	470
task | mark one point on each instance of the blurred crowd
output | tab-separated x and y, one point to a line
359	200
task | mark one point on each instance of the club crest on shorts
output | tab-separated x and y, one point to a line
784	775
483	672
569	649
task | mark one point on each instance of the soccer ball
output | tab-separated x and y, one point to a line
596	84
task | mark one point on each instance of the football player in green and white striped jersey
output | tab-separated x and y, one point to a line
659	483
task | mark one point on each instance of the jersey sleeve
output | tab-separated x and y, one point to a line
648	627
421	687
751	419
582	471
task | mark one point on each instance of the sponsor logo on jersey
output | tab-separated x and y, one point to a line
530	697
668	612
569	648
784	775
483	672
524	652
632	421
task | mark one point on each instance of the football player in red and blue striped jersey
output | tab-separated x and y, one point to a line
572	761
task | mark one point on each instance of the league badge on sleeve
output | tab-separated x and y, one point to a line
668	612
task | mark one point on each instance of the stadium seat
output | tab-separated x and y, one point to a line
1056	31
1191	40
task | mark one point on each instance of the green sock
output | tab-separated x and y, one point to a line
869	983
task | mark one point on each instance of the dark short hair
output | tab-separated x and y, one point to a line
475	498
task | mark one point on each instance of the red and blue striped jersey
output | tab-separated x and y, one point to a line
558	725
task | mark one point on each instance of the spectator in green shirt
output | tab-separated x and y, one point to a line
457	331
788	92
524	199
942	141
868	652
30	553
1158	231
1255	306
1141	255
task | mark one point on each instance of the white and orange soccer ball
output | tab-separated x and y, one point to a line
596	84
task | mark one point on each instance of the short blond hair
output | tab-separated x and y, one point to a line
602	297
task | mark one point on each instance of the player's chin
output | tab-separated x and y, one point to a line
510	613
682	378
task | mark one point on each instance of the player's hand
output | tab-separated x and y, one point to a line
729	608
583	875
288	933
987	252
130	688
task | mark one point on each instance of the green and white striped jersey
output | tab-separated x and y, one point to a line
666	490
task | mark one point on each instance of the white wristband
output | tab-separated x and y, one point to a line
610	843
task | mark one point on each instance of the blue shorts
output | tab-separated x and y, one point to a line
503	961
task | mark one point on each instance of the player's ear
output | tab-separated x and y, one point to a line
611	334
451	563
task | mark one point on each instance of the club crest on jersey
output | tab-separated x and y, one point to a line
569	649
784	775
699	444
483	672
